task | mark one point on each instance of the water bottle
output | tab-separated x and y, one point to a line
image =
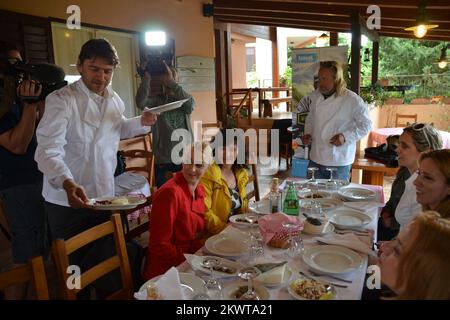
291	203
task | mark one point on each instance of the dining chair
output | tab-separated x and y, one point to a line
32	272
404	120
140	161
61	250
253	178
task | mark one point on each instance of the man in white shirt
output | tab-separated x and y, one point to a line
78	139
338	118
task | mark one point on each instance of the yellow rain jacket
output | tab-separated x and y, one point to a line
218	198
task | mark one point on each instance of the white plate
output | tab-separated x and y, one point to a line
167	107
133	202
269	283
318	195
331	259
236	220
230	289
356	194
326	204
190	284
227	245
329	228
197	262
294	294
349	219
260	207
321	183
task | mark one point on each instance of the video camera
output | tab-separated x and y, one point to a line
49	76
155	65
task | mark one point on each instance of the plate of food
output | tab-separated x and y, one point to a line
313	195
235	290
244	220
260	207
273	274
326	204
310	289
117	203
317	227
226	268
167	107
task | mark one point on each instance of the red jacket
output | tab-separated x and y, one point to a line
176	225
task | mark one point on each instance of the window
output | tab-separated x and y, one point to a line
251	58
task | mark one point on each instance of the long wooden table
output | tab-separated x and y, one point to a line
373	171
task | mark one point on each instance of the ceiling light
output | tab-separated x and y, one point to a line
422	23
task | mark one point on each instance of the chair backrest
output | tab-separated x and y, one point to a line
253	178
404	120
63	248
33	271
140	161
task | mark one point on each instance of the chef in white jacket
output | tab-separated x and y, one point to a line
338	118
78	139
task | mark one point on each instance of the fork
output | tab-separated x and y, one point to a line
357	232
330	276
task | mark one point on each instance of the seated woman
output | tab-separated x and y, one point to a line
224	183
400	209
417	267
177	216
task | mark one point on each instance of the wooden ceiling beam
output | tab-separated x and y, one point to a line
431	4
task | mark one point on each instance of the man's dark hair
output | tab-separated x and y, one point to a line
6	46
99	48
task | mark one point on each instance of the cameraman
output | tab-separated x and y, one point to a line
20	179
167	121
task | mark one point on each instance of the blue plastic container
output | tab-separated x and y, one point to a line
300	168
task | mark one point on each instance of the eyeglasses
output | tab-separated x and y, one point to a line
421	127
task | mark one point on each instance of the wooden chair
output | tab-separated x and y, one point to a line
253	178
33	271
63	248
141	161
404	120
141	228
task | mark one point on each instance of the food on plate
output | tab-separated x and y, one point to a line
152	291
313	225
239	292
221	268
115	201
246	220
311	289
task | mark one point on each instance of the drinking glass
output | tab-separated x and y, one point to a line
331	184
312	182
212	285
249	274
295	244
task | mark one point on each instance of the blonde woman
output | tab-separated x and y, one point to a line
418	266
337	120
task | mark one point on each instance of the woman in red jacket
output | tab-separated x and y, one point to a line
177	216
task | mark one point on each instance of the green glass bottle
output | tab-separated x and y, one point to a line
290	203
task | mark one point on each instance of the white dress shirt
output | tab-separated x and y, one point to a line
78	138
347	114
408	207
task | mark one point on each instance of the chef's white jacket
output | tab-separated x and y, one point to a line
78	138
347	114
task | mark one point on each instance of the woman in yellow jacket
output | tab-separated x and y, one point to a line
224	183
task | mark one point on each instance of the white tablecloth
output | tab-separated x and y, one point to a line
354	289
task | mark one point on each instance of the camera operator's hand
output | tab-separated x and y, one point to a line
168	77
29	89
142	68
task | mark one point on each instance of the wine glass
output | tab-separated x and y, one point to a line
331	184
295	244
212	285
256	246
315	210
312	182
249	274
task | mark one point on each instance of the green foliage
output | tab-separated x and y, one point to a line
374	94
286	78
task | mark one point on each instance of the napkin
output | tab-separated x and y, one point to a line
169	287
271	225
358	243
364	205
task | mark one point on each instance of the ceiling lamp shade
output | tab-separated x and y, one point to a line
324	36
422	23
442	62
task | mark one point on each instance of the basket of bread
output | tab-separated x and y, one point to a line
273	232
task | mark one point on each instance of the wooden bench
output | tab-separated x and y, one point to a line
373	171
269	103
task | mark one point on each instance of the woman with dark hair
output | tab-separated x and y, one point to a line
224	183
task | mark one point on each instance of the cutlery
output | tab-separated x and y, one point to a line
315	278
330	276
356	232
